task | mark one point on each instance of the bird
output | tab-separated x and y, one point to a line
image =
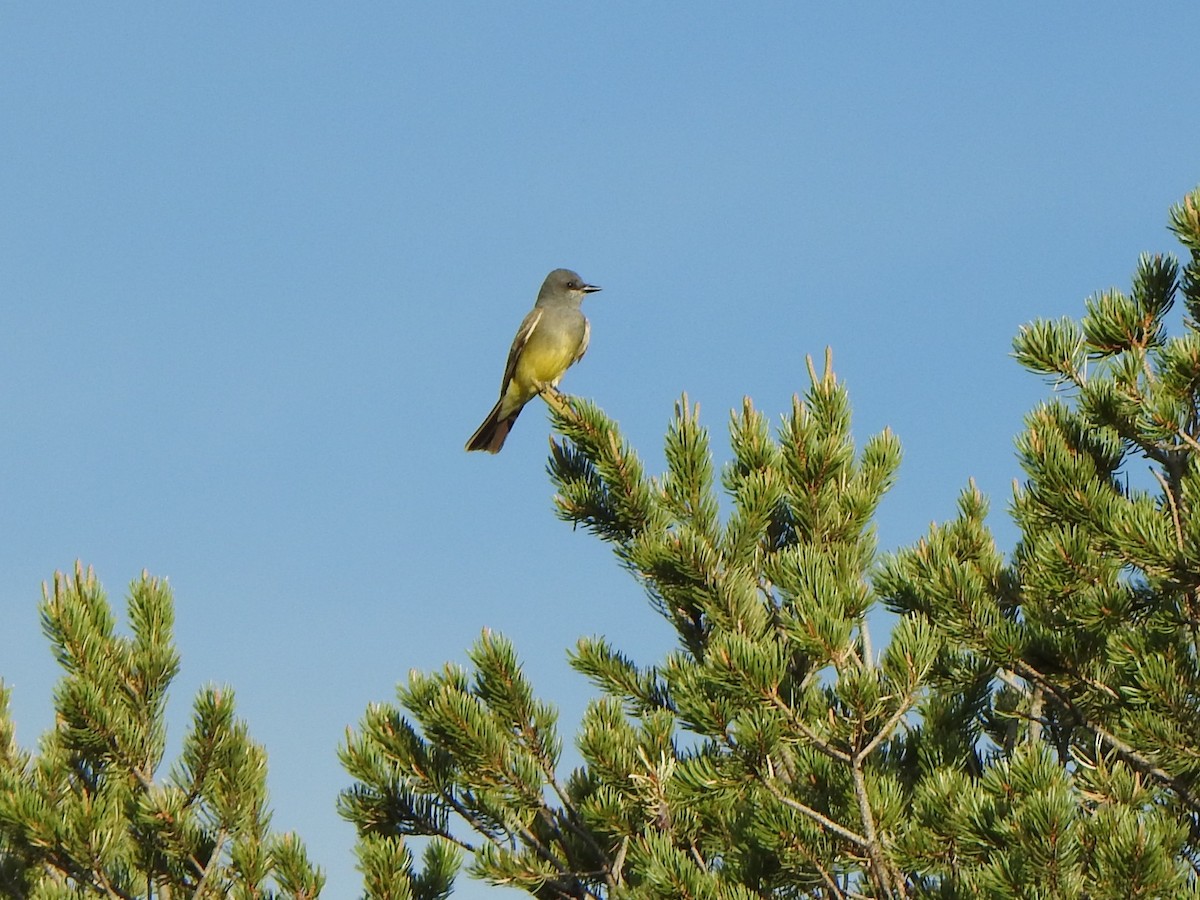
552	338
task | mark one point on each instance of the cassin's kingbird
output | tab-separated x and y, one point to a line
553	337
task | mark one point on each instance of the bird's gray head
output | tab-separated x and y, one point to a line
563	284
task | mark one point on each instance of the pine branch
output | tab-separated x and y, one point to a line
1130	754
887	879
808	812
886	731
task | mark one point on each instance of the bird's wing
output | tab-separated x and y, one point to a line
583	345
518	344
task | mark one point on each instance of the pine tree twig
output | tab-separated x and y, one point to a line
1011	680
1188	439
1170	495
569	816
1147	369
1094	684
535	844
473	821
619	862
207	870
851	653
569	821
808	812
835	890
1131	755
556	400
1035	716
67	867
879	865
469	817
465	846
146	782
886	730
816	740
109	888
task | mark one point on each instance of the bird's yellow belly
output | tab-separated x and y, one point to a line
542	363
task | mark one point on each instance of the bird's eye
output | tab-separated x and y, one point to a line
573	285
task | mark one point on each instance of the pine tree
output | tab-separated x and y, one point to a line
91	815
758	758
1092	628
1028	729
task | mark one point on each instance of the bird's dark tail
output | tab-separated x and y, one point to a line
491	434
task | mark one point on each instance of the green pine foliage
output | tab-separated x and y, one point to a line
1091	628
1029	728
758	759
93	814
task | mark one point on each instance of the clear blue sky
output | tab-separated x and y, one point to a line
260	265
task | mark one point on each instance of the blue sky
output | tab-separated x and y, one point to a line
260	266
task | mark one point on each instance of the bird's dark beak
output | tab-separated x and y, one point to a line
590	288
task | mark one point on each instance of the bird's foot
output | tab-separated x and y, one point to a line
554	398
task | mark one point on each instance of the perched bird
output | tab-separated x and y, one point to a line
553	337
